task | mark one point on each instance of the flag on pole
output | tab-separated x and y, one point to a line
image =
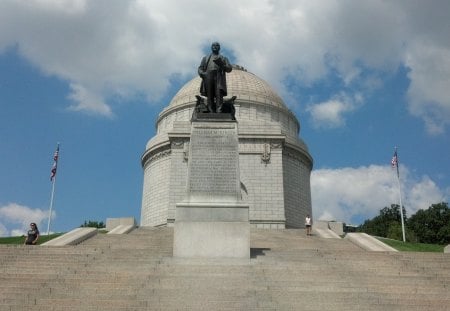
394	161
53	180
55	163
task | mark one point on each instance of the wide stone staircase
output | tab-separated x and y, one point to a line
287	271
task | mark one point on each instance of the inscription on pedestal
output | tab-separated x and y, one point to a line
214	161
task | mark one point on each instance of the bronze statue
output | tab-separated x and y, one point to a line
212	70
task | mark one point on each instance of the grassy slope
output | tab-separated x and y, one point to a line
21	239
42	238
412	247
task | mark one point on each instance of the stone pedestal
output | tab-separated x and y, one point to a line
212	222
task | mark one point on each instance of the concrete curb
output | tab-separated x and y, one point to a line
122	229
326	233
368	242
73	237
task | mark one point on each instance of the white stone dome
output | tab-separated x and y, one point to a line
250	91
274	162
240	83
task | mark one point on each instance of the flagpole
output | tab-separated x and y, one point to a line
53	180
400	194
51	205
401	208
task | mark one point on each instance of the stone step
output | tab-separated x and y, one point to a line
287	271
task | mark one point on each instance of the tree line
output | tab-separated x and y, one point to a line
426	226
93	224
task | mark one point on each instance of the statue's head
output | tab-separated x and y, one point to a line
215	47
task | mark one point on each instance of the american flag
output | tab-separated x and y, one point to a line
394	161
55	163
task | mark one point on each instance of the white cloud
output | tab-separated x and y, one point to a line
421	192
88	101
16	218
429	90
349	193
330	114
104	48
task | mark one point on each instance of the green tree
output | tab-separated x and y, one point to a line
395	233
432	225
380	225
93	224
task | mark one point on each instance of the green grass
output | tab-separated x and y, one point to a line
21	239
412	247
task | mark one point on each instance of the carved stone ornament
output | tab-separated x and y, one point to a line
177	144
186	152
276	145
159	155
265	157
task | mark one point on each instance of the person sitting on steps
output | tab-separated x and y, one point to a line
32	235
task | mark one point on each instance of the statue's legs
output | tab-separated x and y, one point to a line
219	101
211	86
219	96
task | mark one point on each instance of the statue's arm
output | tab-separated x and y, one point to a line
227	67
202	68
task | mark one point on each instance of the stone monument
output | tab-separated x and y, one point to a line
212	221
274	161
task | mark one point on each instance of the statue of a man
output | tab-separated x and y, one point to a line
212	70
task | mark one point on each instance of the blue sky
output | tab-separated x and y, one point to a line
362	78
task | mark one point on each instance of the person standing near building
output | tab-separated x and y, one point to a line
32	235
308	224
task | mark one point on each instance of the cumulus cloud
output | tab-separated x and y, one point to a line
104	48
428	93
88	101
331	114
355	194
16	218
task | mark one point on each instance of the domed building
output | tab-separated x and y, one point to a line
275	165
